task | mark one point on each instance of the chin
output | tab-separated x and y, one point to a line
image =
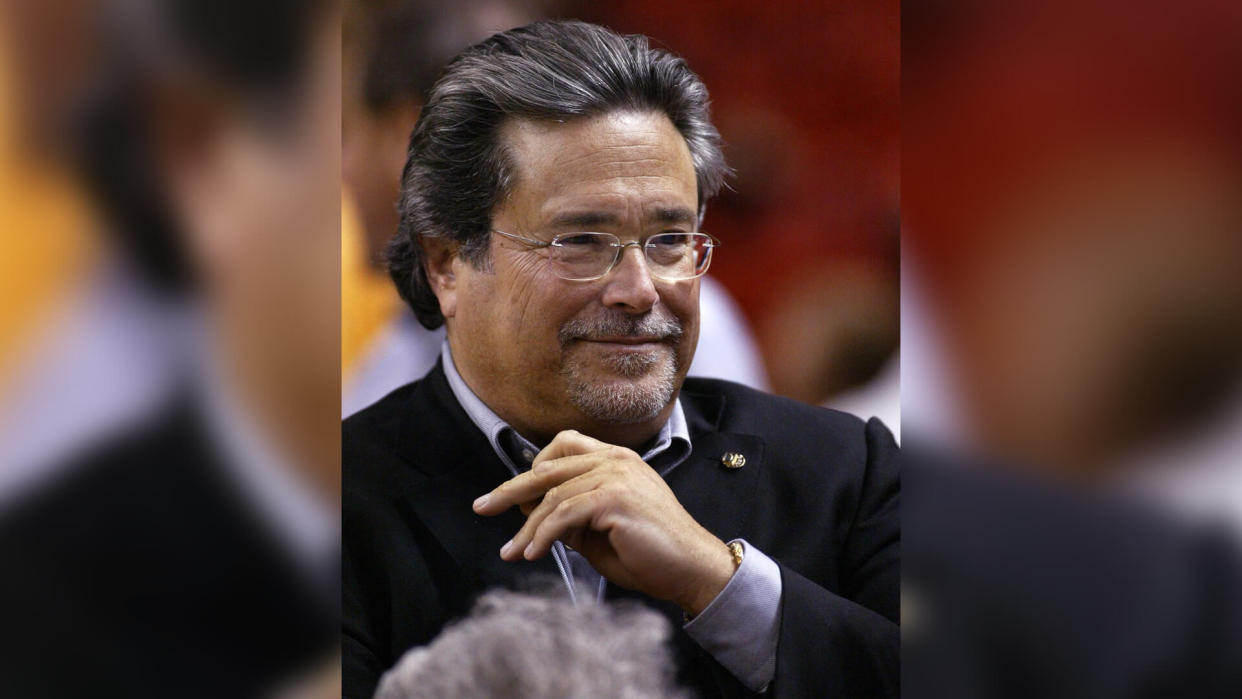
622	362
619	397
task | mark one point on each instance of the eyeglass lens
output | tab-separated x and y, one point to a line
669	255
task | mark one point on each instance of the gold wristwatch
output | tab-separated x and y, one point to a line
735	548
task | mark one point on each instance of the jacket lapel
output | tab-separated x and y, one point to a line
438	439
718	497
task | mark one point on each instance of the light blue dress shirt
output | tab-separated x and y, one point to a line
739	628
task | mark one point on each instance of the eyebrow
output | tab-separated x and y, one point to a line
584	220
587	220
674	215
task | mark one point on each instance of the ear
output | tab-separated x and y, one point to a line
187	133
439	256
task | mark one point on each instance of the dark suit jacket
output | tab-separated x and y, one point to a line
1022	589
818	494
142	571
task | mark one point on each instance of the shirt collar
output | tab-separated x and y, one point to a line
517	452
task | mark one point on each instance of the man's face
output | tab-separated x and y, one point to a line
605	357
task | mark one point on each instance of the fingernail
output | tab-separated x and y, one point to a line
506	549
480	502
530	550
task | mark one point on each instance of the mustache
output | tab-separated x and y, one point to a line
621	324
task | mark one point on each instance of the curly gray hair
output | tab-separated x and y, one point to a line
540	645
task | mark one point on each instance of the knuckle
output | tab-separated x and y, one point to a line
612	490
562	513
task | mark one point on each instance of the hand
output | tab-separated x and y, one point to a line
615	510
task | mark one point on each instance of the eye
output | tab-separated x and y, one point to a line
580	240
670	240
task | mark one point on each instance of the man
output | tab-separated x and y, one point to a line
549	219
393	51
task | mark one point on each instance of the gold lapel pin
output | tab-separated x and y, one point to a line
732	459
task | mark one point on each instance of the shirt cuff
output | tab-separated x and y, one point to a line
741	626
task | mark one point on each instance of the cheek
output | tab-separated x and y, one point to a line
683	301
467	303
685	305
513	313
538	302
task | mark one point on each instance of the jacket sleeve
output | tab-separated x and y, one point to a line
388	600
361	665
848	644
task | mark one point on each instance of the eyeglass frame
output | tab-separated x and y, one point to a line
619	246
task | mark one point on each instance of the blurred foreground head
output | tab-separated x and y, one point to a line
212	145
210	107
1073	198
199	535
1071	180
523	645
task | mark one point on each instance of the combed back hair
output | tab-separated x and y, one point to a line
539	645
458	169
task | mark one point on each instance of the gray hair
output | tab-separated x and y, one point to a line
523	645
457	168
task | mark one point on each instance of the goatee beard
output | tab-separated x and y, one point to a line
647	380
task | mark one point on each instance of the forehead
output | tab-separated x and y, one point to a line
616	167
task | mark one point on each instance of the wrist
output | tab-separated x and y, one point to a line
722	563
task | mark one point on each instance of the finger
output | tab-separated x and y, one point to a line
551	500
578	512
569	443
532	484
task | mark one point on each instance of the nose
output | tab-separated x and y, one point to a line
629	286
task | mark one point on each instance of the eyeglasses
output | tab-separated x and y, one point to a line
584	257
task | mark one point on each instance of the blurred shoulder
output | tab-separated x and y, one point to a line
738	408
384	415
372	441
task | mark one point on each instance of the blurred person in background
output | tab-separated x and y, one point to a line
563	365
393	51
541	645
68	316
189	545
1081	277
1071	190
